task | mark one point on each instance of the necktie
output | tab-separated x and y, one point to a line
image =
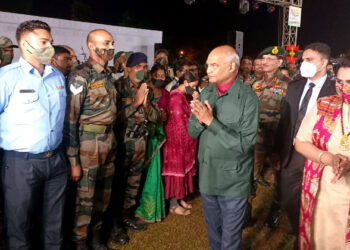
303	108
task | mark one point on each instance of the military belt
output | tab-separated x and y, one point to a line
98	129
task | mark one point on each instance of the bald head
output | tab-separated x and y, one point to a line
97	35
101	45
227	53
222	64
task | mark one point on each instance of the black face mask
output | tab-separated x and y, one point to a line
158	83
189	90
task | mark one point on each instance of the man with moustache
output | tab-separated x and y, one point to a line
62	60
271	90
89	138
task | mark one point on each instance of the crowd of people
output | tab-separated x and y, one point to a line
131	141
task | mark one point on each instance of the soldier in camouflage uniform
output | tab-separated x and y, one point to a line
6	50
89	138
137	108
245	70
258	72
271	90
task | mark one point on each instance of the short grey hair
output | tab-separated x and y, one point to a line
234	57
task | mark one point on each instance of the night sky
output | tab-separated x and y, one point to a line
199	27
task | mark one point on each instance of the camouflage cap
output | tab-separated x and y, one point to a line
5	42
273	50
117	55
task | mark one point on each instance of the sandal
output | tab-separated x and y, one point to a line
184	204
179	210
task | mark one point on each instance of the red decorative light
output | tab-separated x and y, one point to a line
292	49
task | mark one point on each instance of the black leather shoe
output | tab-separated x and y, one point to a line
96	241
98	246
134	225
273	219
261	181
118	237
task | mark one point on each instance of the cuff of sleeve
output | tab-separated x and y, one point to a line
74	160
215	126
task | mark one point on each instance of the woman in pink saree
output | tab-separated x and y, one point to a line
323	139
180	149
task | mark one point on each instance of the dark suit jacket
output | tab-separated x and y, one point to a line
289	113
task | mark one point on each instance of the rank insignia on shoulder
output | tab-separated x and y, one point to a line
75	90
97	85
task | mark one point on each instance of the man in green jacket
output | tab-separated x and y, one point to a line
226	119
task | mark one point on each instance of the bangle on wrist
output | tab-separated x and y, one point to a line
320	157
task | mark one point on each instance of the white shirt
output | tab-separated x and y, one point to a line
315	91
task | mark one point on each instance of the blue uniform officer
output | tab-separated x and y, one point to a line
32	109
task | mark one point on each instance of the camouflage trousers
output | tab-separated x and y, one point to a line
135	150
263	146
97	155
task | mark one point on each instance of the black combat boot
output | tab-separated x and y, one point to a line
117	237
130	222
273	218
96	241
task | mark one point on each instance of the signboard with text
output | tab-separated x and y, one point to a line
294	16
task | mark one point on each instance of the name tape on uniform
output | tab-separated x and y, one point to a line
97	85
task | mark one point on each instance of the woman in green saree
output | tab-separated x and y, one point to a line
152	202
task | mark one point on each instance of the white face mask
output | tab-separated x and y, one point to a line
308	69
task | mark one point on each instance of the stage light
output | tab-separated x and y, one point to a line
224	2
243	6
270	8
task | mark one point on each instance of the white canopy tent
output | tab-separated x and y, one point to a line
74	33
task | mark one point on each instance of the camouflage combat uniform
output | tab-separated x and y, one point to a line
90	141
133	132
271	93
247	80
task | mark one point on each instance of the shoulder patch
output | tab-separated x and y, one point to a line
75	90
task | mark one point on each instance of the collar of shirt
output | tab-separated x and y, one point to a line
27	67
315	93
318	83
224	87
97	67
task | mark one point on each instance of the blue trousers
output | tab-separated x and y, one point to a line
224	216
26	181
